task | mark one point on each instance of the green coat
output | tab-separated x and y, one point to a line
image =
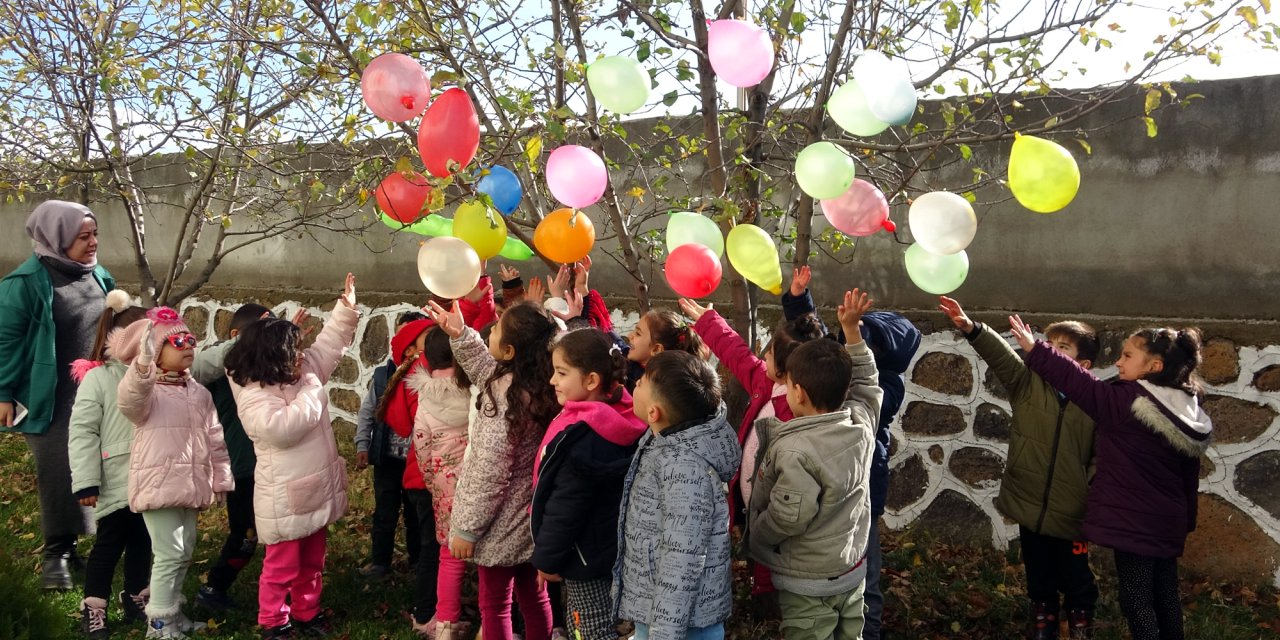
1050	461
28	365
99	440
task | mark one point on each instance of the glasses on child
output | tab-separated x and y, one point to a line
182	341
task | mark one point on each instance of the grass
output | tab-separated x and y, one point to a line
934	589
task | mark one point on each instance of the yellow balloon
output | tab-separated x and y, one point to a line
1042	174
480	227
752	252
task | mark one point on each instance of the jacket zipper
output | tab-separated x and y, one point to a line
580	556
1053	462
541	466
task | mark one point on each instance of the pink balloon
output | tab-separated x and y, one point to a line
395	87
740	52
576	176
861	211
693	270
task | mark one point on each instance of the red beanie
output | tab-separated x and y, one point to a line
406	336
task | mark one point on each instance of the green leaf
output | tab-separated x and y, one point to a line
798	22
670	98
1051	122
129	29
642	53
150	74
1088	148
366	15
560	52
966	152
404	165
1152	102
306	58
1152	130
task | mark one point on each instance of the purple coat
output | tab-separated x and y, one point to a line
1149	440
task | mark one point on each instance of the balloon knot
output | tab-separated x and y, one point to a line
407	102
889	226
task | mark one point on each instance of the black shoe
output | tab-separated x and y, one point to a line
1080	623
93	619
316	627
214	599
276	633
134	606
1044	622
374	572
56	574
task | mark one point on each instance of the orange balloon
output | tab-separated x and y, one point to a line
565	236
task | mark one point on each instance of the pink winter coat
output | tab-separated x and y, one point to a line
300	482
440	438
178	458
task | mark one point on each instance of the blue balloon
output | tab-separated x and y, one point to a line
503	187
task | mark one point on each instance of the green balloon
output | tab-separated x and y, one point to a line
435	225
515	250
848	107
936	274
686	227
824	170
619	83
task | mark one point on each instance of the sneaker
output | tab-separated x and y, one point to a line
316	627
277	633
214	599
134	606
374	571
1080	623
187	625
165	627
93	619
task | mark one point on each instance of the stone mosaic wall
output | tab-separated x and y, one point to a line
951	436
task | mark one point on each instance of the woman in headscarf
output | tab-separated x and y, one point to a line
49	309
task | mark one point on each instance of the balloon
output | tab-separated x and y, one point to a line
1043	176
936	274
436	226
942	223
886	84
619	83
848	108
565	236
395	87
449	132
448	267
514	249
480	227
753	254
685	227
692	270
860	211
740	52
576	176
401	198
503	187
824	170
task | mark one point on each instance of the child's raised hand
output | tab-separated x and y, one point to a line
955	314
299	320
508	272
348	298
692	309
450	321
536	290
582	283
561	283
850	312
1022	332
800	279
146	349
574	300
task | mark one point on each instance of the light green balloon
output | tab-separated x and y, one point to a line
936	274
824	170
514	249
435	225
685	227
619	83
848	108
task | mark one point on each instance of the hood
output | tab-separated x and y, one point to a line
892	338
1176	415
712	440
439	394
81	368
616	422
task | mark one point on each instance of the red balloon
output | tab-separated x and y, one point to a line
395	87
693	270
403	199
450	132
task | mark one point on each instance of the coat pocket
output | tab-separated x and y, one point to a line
308	493
784	504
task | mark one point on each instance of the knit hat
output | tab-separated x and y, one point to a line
123	344
406	336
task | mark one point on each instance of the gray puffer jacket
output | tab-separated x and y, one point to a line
673	567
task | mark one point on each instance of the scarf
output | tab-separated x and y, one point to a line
54	225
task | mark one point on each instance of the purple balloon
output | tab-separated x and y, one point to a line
861	211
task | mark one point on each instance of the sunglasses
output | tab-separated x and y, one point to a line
181	341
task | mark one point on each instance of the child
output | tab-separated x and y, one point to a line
809	518
178	461
378	445
301	483
661	330
1150	435
1045	484
672	577
99	442
491	508
578	478
242	539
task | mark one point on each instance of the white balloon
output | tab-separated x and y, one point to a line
886	84
942	223
448	266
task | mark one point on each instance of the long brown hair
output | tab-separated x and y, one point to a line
530	399
673	332
110	321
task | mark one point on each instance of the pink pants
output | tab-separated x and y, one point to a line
449	586
292	568
495	602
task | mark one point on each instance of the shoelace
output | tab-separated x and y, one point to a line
97	618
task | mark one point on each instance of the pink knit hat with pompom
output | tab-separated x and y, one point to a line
123	344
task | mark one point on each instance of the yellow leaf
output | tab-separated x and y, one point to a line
1266	6
1249	16
637	192
533	149
1152	102
404	165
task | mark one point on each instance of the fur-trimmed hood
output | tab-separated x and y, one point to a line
439	394
1175	415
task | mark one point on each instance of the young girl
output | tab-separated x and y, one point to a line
491	508
98	444
657	331
1150	435
578	477
178	461
301	481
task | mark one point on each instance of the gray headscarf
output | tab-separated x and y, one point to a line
54	226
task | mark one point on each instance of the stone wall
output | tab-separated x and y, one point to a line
950	439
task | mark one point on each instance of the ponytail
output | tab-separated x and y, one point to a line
390	392
670	330
1179	350
593	351
118	313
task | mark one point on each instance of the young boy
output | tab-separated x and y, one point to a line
672	577
1046	477
810	513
